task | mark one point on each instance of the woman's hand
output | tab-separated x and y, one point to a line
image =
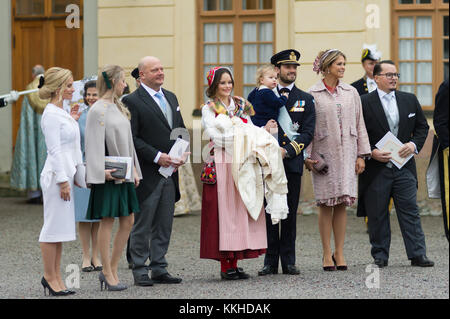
65	191
283	152
109	177
309	163
74	112
271	126
360	165
136	178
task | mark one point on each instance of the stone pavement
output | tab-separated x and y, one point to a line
21	266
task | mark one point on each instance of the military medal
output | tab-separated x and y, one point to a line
299	106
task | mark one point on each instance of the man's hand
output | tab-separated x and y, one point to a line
380	156
177	162
407	150
164	160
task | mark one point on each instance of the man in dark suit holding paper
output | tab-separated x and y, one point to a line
387	109
155	113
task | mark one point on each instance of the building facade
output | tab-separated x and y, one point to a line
190	36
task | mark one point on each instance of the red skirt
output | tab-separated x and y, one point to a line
209	233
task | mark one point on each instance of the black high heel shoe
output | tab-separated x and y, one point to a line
343	267
328	268
51	291
96	268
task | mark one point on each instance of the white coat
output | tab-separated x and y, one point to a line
62	138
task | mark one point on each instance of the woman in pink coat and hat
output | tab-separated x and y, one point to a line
336	154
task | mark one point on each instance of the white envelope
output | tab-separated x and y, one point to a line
178	149
390	143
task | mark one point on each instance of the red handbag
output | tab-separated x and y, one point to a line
208	175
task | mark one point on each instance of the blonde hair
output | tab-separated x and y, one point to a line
328	57
114	74
262	70
54	78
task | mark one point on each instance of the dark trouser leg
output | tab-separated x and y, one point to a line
376	199
141	233
162	228
129	260
289	225
404	191
273	243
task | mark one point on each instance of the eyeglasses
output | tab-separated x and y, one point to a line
391	75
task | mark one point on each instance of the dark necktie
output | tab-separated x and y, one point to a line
284	90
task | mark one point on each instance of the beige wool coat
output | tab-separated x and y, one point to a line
107	127
340	142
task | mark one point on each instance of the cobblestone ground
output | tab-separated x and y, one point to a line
21	265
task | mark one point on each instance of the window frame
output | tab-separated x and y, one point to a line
237	17
48	14
436	11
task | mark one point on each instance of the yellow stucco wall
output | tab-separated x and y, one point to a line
131	29
314	25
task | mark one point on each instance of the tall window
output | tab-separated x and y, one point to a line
421	46
238	34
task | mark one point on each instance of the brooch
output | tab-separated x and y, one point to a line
295	126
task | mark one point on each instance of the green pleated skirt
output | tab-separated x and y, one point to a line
112	200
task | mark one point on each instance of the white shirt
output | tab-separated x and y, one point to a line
152	93
392	108
290	86
371	85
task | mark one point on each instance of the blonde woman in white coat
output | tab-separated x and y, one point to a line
62	138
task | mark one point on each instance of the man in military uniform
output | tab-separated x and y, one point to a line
370	57
296	124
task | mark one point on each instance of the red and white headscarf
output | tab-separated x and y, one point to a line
212	73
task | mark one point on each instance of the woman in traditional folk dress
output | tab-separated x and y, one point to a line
228	233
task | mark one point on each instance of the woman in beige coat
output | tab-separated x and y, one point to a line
108	133
339	146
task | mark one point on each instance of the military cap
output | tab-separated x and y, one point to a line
286	57
135	73
370	52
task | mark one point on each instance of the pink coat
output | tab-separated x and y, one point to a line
339	142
